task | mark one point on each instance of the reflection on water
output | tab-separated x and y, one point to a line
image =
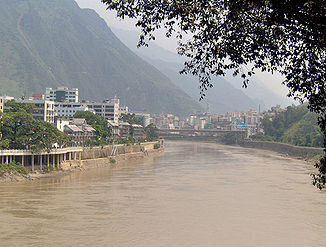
195	194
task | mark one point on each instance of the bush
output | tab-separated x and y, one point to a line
13	167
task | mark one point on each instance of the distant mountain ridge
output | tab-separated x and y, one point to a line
46	43
227	93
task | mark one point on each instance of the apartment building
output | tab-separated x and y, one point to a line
67	110
109	109
62	94
43	110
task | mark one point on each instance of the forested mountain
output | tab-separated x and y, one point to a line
47	43
296	125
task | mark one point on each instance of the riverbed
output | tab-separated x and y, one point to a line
193	194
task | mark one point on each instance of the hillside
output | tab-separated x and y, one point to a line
227	93
54	43
296	125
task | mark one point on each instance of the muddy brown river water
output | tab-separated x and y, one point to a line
194	194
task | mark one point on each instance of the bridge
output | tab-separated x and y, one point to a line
202	132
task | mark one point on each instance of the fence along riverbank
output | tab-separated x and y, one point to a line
56	158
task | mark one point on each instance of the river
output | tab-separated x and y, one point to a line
194	194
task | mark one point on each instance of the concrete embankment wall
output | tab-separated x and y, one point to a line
106	151
192	138
103	156
283	148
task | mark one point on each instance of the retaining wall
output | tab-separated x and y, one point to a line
283	148
101	156
106	151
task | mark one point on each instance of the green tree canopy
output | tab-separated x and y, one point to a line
13	106
21	131
100	124
296	125
131	118
151	132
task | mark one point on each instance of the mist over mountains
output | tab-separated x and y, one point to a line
227	93
46	43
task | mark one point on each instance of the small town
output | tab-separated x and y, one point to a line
58	107
162	123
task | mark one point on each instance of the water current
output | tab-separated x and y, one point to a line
194	194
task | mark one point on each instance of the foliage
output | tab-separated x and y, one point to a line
12	167
100	124
262	137
21	131
13	106
151	132
131	119
157	146
296	125
244	36
231	138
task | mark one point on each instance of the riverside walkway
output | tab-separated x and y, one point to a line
43	159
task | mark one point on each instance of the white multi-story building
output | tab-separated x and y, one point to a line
44	109
62	94
68	110
109	109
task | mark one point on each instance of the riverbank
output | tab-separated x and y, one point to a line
283	148
91	158
310	155
299	152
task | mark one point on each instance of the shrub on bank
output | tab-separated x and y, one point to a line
13	167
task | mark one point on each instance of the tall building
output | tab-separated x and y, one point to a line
68	110
44	109
62	94
109	109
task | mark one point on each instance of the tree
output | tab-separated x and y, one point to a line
131	119
151	132
244	36
100	124
296	125
13	106
21	131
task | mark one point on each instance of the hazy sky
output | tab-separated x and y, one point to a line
127	24
273	82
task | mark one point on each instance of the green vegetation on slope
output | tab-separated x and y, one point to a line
296	125
46	43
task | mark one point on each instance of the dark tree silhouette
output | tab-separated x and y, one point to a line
244	36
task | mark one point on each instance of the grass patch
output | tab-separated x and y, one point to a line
316	156
13	167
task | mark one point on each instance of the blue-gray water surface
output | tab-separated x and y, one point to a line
193	194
